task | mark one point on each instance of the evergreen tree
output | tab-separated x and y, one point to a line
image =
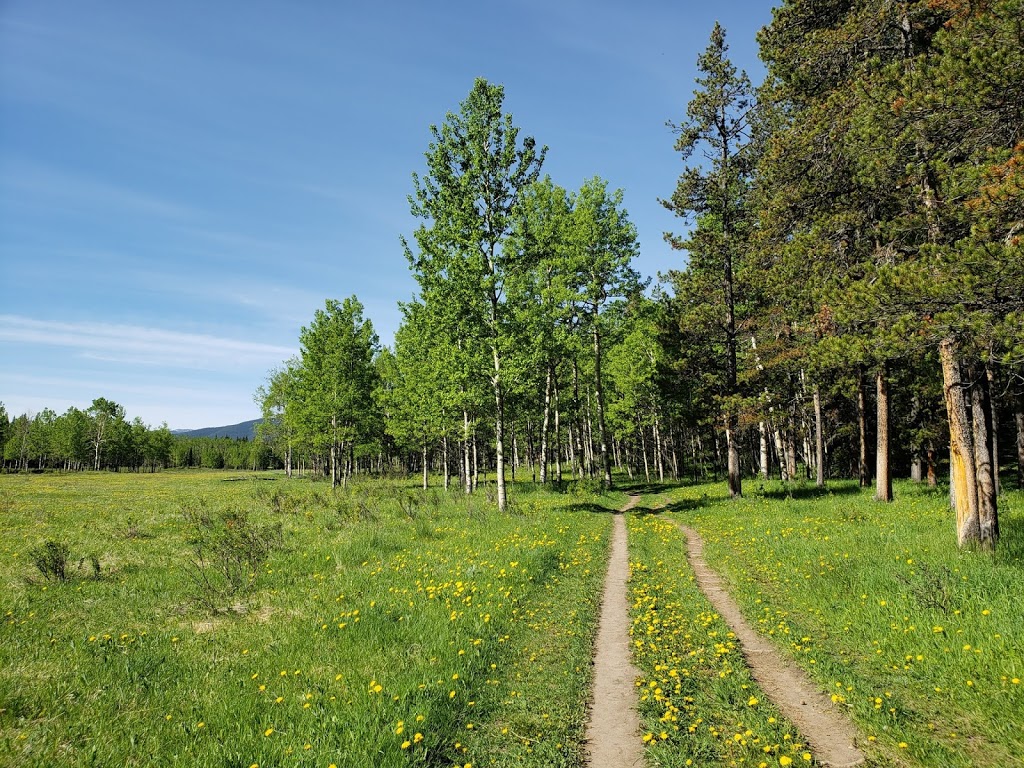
712	195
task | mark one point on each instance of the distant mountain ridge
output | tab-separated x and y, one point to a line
246	429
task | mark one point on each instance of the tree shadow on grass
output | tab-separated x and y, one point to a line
644	488
1010	549
589	507
801	491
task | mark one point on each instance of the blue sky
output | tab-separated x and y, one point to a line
182	184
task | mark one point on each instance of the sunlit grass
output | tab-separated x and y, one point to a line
920	642
392	627
699	704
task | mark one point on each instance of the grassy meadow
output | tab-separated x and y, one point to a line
386	626
921	643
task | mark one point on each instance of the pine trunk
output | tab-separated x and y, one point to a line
963	485
917	467
1018	415
984	462
990	376
733	449
883	480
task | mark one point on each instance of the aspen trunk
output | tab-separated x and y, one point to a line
606	463
762	429
466	473
558	432
476	464
659	452
862	426
425	481
819	439
544	429
447	473
571	443
643	448
515	451
499	432
674	455
780	451
883	480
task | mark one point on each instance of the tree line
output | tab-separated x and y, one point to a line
850	301
101	437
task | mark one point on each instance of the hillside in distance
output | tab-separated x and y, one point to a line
246	429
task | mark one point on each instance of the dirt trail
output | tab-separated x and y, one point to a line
613	732
829	733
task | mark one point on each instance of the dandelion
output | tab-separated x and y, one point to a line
785	760
417	738
268	731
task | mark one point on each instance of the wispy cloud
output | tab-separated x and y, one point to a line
81	192
141	345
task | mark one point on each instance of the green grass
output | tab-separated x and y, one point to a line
388	627
922	643
698	702
384	612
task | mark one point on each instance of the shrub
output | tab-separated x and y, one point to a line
51	559
228	551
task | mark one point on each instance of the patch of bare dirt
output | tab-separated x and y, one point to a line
613	730
830	735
